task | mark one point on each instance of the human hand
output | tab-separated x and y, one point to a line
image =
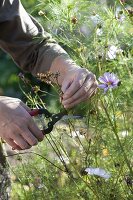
16	125
78	85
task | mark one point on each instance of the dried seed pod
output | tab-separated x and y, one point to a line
117	165
48	77
23	78
74	20
83	172
130	12
129	180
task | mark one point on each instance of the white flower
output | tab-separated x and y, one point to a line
95	19
119	16
112	52
98	171
124	133
99	31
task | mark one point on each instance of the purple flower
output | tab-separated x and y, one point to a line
108	80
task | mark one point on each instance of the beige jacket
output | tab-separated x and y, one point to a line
25	40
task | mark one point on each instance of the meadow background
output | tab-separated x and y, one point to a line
90	158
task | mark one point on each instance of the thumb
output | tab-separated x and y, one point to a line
25	106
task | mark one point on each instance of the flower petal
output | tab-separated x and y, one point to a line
105	90
102	79
102	86
98	171
108	80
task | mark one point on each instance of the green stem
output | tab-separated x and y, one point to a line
31	152
118	140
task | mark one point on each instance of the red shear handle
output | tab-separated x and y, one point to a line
34	112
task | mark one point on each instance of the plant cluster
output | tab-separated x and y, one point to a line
89	157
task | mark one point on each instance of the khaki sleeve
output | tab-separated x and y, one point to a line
25	40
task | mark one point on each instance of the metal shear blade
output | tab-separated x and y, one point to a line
53	118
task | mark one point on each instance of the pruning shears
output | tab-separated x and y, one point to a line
53	118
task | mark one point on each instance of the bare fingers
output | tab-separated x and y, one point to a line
12	144
84	92
35	130
77	83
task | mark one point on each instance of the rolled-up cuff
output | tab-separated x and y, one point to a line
46	56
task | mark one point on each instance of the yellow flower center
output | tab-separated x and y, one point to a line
109	83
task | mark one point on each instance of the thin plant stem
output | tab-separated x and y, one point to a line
31	152
117	137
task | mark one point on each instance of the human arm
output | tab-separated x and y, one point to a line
35	51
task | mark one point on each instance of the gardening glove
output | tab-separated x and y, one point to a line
16	125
